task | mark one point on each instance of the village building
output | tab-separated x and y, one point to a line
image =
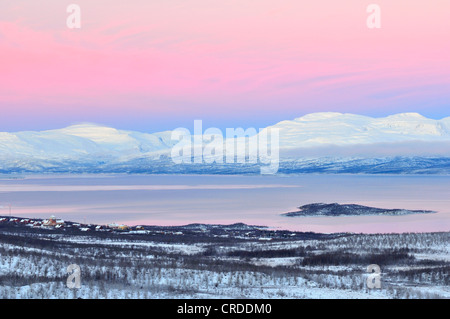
53	222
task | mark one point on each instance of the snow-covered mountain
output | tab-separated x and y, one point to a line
384	141
318	129
82	140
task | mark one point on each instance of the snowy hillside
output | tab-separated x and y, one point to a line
332	139
345	129
81	140
212	261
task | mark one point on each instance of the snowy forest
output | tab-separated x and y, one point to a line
191	262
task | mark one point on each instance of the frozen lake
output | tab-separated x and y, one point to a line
257	200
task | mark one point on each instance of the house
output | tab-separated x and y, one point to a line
53	222
118	227
113	226
50	222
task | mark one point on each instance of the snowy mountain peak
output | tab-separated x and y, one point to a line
100	135
318	116
348	129
85	125
407	116
87	129
323	116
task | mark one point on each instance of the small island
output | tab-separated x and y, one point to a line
335	209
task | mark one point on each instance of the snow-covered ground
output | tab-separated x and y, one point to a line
33	264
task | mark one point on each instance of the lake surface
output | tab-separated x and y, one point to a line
257	200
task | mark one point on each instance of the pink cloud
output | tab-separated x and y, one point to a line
197	53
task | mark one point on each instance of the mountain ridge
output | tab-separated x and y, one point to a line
95	147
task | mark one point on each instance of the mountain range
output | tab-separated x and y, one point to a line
318	142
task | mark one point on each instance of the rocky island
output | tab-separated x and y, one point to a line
335	209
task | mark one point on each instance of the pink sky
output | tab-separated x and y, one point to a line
152	65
